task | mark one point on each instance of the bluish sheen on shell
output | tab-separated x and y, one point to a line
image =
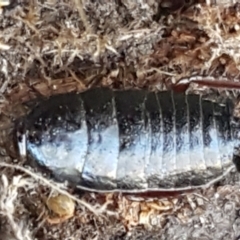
131	140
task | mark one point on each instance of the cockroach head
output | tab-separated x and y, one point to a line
20	135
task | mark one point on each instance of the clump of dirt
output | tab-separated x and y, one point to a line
55	46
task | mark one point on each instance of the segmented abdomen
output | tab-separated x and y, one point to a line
131	140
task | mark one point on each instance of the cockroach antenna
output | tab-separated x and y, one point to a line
184	83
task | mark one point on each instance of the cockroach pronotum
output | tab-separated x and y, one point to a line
132	140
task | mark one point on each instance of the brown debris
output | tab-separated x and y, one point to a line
62	207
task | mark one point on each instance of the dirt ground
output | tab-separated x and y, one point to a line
51	46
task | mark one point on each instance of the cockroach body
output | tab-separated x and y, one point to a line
131	140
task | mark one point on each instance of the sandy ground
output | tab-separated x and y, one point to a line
47	47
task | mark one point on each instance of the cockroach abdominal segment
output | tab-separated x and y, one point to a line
131	140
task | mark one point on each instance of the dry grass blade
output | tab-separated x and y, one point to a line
8	198
98	212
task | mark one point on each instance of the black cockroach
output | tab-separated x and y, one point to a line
132	140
